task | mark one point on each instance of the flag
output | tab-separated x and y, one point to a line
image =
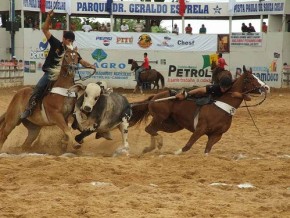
68	6
42	4
208	59
182	7
109	6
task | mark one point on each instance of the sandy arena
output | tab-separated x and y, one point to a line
245	175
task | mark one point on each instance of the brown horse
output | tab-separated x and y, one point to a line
212	119
53	110
150	76
218	73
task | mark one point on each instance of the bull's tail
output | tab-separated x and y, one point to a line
2	119
162	79
140	111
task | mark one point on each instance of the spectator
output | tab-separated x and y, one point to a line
29	23
251	29
103	28
175	29
15	62
63	25
264	27
202	29
154	27
87	27
138	26
58	25
244	28
108	27
188	29
73	26
124	27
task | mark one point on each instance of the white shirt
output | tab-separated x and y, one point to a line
139	27
124	28
87	28
175	29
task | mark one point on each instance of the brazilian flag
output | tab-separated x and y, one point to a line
208	59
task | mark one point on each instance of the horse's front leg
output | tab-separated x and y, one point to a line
68	141
194	137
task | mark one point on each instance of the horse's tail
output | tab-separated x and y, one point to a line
2	119
140	111
162	79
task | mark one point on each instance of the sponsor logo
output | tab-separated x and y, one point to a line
106	39
145	41
99	55
124	40
166	42
43	44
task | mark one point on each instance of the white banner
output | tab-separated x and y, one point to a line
246	39
147	41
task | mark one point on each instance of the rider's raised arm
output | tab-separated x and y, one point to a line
45	27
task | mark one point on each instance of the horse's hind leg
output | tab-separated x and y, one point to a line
212	139
33	132
167	125
123	127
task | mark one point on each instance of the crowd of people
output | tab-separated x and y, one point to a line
87	26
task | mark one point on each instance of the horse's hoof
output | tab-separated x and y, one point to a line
78	146
178	152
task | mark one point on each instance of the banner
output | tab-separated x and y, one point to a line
68	7
147	41
246	39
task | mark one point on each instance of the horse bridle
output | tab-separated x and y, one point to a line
246	80
71	67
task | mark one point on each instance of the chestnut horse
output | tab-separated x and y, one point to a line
54	109
150	76
212	119
218	73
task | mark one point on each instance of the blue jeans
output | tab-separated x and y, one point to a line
137	73
41	85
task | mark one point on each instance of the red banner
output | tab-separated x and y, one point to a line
182	7
42	6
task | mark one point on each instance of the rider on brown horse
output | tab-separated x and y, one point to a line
56	50
143	67
215	90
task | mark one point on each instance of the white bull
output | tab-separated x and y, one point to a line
98	110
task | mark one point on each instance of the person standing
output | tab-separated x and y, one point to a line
144	66
251	29
264	27
87	27
175	29
188	29
138	26
124	27
202	29
57	49
244	28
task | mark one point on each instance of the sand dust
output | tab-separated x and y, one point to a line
245	175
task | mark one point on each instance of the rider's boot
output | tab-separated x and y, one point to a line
31	104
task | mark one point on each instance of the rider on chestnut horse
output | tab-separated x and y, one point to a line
57	48
143	67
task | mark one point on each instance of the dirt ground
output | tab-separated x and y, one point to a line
245	175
